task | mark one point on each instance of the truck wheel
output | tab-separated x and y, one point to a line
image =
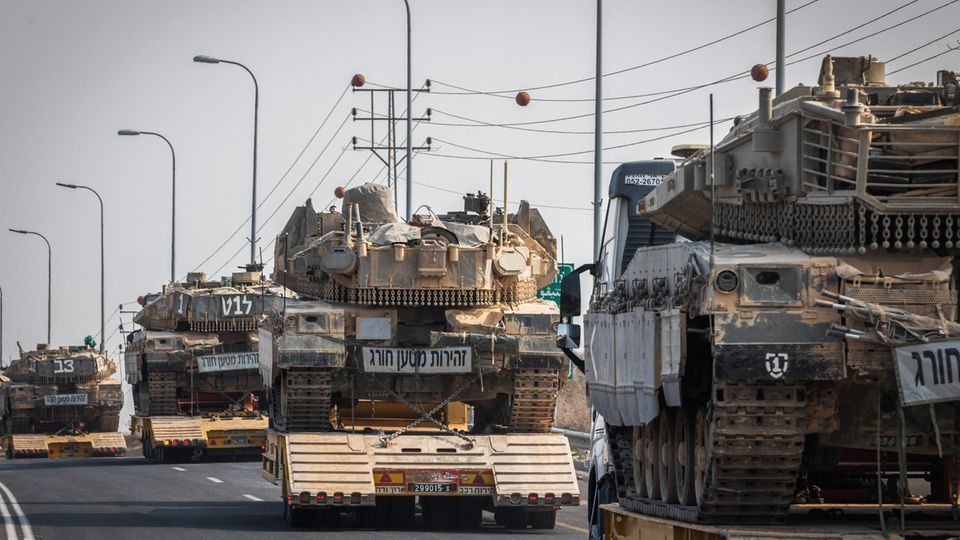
668	457
469	512
295	517
685	465
601	493
543	520
160	455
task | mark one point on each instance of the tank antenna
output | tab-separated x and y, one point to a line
490	204
504	200
713	186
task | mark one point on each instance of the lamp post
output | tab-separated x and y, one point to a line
406	3
204	59
173	197
49	273
103	335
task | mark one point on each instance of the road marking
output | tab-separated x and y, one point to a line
252	498
24	522
215	480
572	527
8	524
181	469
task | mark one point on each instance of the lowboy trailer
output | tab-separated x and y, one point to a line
167	438
522	478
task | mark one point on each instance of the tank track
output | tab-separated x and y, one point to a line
162	389
20	421
110	420
534	400
756	434
306	397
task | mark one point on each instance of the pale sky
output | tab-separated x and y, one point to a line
73	73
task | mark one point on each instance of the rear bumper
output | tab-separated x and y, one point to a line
65	446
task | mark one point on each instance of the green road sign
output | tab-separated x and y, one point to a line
552	291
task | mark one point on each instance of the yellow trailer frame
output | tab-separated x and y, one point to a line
516	474
104	444
164	437
806	522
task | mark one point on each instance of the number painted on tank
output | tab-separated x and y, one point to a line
63	366
236	305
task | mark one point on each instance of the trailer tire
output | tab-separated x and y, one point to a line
296	517
543	520
511	518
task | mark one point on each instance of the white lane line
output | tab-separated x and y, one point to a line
9	526
181	469
252	498
24	522
215	480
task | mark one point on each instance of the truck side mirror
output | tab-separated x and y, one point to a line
570	291
570	296
568	336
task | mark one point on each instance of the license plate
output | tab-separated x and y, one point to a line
68	449
238	441
432	488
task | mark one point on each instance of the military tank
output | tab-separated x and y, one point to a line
773	354
436	317
61	402
444	300
193	367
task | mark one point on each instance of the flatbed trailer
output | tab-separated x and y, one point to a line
103	444
167	438
806	522
523	478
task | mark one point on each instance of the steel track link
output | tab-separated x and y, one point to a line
756	445
162	389
306	400
534	400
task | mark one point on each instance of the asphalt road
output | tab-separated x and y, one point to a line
119	498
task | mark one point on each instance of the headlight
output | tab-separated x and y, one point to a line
727	281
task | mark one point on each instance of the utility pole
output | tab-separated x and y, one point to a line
390	149
597	140
781	60
409	121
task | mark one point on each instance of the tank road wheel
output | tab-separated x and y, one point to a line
639	462
668	457
700	455
651	458
685	468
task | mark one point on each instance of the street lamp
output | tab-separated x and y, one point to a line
49	273
103	335
204	59
173	197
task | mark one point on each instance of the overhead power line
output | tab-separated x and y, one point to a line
667	94
496	93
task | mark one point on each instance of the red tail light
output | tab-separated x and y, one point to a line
186	442
548	498
338	497
533	498
289	498
322	497
176	442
